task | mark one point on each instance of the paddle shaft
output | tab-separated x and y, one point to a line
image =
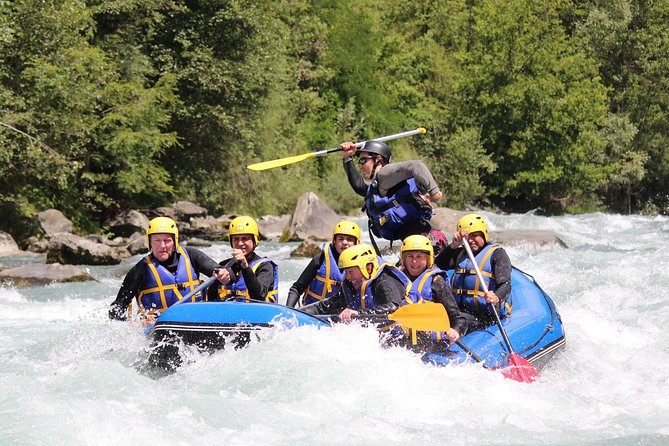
296	159
465	244
196	290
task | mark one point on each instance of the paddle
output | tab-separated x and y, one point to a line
297	158
428	316
519	368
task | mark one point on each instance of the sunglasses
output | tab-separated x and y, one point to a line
363	159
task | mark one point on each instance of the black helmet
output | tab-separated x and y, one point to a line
379	148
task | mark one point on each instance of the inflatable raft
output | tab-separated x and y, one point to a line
534	329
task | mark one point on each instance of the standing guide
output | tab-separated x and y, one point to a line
399	196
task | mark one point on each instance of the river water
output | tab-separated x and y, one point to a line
69	376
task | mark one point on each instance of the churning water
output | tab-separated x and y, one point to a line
69	376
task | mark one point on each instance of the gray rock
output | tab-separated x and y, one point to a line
137	244
530	236
272	227
312	218
127	223
39	274
308	248
186	209
8	246
54	222
75	250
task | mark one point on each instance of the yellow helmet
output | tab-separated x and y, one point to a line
473	223
162	225
360	256
244	225
418	243
347	228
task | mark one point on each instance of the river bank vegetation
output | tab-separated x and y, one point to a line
114	104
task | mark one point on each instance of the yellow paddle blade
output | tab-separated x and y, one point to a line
428	316
281	162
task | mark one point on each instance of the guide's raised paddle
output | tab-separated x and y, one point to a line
297	158
519	369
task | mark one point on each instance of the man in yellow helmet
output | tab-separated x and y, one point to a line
398	196
493	262
322	278
430	283
369	287
166	274
246	276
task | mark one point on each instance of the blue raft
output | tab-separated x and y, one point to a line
534	329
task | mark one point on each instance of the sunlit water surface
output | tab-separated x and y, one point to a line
69	376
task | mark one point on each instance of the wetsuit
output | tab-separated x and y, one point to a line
136	279
258	284
388	178
387	289
501	269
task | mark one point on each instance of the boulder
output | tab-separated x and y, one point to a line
75	250
308	248
137	243
36	245
198	242
127	223
8	246
312	218
39	274
271	227
187	210
446	219
54	222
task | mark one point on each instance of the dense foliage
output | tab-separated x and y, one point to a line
112	104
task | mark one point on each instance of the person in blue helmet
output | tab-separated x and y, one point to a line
246	276
398	196
322	278
495	265
166	274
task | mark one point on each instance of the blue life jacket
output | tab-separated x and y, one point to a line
421	291
163	288
467	288
402	205
237	291
328	278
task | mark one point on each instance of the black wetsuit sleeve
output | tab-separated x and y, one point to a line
441	293
446	258
388	293
259	283
132	284
332	305
354	178
303	282
501	267
201	262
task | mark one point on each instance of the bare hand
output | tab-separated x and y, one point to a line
347	315
491	297
457	238
452	335
436	197
239	256
222	275
348	149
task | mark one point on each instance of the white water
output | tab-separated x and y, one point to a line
69	376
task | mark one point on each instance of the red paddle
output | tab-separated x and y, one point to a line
519	369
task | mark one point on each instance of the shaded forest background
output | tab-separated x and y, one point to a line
106	105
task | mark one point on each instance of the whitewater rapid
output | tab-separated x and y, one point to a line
70	376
